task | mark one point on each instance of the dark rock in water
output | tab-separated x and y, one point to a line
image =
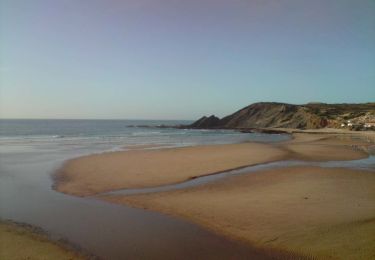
206	122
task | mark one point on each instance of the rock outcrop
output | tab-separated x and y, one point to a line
206	122
282	115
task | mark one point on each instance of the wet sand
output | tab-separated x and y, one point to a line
308	210
325	147
95	174
104	229
25	242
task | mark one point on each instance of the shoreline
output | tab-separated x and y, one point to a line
82	176
147	168
303	146
275	224
20	240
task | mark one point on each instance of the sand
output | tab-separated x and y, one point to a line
308	210
23	242
100	173
325	147
146	168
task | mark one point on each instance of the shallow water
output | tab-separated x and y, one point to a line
30	151
106	230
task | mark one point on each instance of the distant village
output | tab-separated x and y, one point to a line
360	124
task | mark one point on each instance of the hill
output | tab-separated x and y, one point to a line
282	115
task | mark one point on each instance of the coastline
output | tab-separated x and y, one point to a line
198	206
23	241
99	173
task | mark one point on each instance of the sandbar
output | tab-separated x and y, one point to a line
311	211
320	212
100	173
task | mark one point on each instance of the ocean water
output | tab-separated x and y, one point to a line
32	150
108	135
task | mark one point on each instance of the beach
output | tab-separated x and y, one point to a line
100	173
309	210
20	241
326	147
106	230
187	129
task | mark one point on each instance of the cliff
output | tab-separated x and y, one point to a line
282	115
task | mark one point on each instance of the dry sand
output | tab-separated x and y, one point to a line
24	242
308	210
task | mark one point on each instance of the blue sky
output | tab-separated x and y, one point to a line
170	59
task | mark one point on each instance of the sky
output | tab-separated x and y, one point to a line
181	59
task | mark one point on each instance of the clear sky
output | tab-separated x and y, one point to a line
181	59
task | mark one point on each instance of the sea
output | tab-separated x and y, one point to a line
86	136
32	150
